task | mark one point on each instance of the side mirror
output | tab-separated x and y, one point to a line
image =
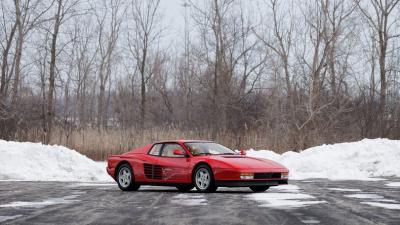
179	152
243	152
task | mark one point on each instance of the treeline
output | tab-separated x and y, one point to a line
108	75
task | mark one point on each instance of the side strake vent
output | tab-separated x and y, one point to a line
152	171
267	175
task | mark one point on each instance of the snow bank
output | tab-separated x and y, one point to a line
37	162
360	160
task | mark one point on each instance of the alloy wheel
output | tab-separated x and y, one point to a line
124	177
203	178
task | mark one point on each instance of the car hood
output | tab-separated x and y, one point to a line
239	161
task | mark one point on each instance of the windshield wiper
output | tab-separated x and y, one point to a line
203	153
227	153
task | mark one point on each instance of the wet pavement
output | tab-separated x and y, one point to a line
318	201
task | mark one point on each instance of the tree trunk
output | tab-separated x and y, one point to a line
100	106
53	52
18	53
382	95
143	89
4	64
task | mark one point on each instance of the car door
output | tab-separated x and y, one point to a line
175	168
152	171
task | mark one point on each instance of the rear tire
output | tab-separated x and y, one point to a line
259	188
185	188
203	179
125	178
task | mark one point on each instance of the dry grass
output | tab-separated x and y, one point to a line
99	144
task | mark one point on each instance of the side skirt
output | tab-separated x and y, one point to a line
162	184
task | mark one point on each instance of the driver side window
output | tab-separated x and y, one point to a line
168	150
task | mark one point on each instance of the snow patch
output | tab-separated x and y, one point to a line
189	200
5	218
386	200
284	199
377	200
312	221
344	189
360	160
364	196
393	184
286	188
383	205
91	184
41	204
27	161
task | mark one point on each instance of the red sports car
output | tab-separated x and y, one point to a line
186	164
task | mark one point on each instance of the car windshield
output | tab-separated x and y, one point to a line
208	148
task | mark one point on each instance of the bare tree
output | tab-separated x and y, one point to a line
85	63
9	33
233	63
212	18
281	43
64	9
295	77
147	31
109	24
28	16
382	18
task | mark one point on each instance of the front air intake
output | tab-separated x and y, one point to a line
267	175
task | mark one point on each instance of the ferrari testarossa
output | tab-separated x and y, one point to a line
187	163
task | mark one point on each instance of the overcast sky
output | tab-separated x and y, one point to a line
173	12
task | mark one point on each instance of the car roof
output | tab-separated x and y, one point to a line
180	141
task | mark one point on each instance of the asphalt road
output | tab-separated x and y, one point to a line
302	202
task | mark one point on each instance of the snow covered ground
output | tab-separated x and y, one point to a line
362	160
37	162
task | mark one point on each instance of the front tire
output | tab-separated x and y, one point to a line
125	178
259	188
203	179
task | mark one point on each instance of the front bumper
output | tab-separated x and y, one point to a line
111	171
248	183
